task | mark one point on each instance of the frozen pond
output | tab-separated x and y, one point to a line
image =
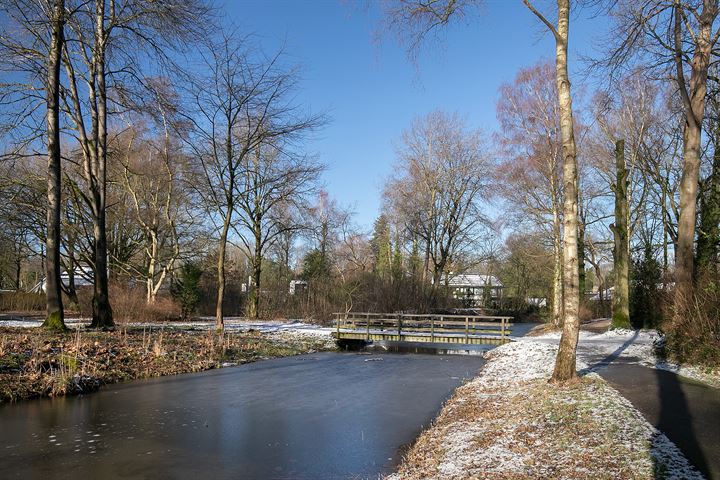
318	416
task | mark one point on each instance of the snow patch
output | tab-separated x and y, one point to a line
522	447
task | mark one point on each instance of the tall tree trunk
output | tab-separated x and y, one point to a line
663	207
150	290
256	270
694	106
18	269
565	363
557	305
621	299
102	312
709	231
581	258
53	283
222	245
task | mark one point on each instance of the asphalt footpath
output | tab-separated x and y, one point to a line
688	412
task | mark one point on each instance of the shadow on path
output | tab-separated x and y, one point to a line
687	412
610	358
677	420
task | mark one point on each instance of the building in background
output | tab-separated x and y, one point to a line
475	290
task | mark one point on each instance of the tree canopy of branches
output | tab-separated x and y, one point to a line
674	39
437	196
244	129
530	178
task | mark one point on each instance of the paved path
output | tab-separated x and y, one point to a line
688	412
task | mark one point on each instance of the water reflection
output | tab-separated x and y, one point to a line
317	416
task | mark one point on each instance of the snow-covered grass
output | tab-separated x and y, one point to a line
23	322
282	330
510	423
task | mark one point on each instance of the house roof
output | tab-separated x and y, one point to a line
474	280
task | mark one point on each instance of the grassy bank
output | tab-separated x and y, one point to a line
509	423
34	363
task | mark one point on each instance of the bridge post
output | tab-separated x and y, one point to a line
337	323
399	320
467	330
367	327
432	329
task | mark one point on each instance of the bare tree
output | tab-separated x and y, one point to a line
36	50
415	19
674	38
151	174
627	123
438	193
275	180
241	103
102	66
22	219
530	176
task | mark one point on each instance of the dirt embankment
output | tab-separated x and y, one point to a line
34	363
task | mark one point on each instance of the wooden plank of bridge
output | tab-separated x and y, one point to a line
449	327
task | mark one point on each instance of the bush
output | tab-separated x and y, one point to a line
22	301
693	334
129	305
645	298
186	289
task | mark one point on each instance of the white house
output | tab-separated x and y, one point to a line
83	278
471	288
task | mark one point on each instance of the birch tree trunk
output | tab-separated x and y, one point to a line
620	229
53	282
565	363
557	271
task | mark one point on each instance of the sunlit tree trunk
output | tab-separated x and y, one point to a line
565	363
694	105
557	304
620	229
222	245
53	284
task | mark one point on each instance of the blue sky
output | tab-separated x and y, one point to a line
372	91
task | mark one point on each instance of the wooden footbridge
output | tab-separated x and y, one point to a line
452	329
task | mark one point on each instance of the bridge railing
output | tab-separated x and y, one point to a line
435	327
